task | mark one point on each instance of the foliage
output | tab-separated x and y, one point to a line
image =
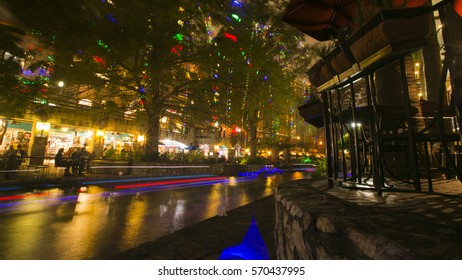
112	154
182	157
257	160
176	59
254	61
321	169
16	90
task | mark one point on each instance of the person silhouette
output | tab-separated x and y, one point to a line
61	162
11	162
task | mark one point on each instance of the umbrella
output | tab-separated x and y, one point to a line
172	144
323	19
320	19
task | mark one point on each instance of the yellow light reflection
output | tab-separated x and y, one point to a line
85	226
268	186
216	200
25	232
232	181
134	219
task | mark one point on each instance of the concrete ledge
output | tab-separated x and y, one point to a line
316	222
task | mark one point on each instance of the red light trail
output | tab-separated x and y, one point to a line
163	183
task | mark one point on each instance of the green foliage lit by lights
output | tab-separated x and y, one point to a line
103	45
179	37
36	32
236	17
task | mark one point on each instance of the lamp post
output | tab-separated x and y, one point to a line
40	142
100	135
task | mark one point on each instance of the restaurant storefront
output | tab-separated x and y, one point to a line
67	137
18	134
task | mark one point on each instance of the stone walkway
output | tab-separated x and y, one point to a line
316	222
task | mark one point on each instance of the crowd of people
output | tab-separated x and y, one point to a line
76	163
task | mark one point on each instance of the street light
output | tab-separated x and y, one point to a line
42	128
61	86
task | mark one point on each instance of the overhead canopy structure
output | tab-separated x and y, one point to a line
9	22
323	19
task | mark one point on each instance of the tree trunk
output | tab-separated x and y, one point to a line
152	136
253	136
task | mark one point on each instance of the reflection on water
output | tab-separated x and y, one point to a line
168	206
178	216
175	210
300	175
111	204
136	212
218	194
94	221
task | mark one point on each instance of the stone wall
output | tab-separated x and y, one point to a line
316	222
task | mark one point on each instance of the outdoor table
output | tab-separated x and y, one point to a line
43	169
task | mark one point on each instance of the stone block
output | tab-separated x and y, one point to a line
325	225
378	247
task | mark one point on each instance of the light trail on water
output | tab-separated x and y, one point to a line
12	201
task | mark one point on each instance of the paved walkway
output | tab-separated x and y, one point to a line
346	223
